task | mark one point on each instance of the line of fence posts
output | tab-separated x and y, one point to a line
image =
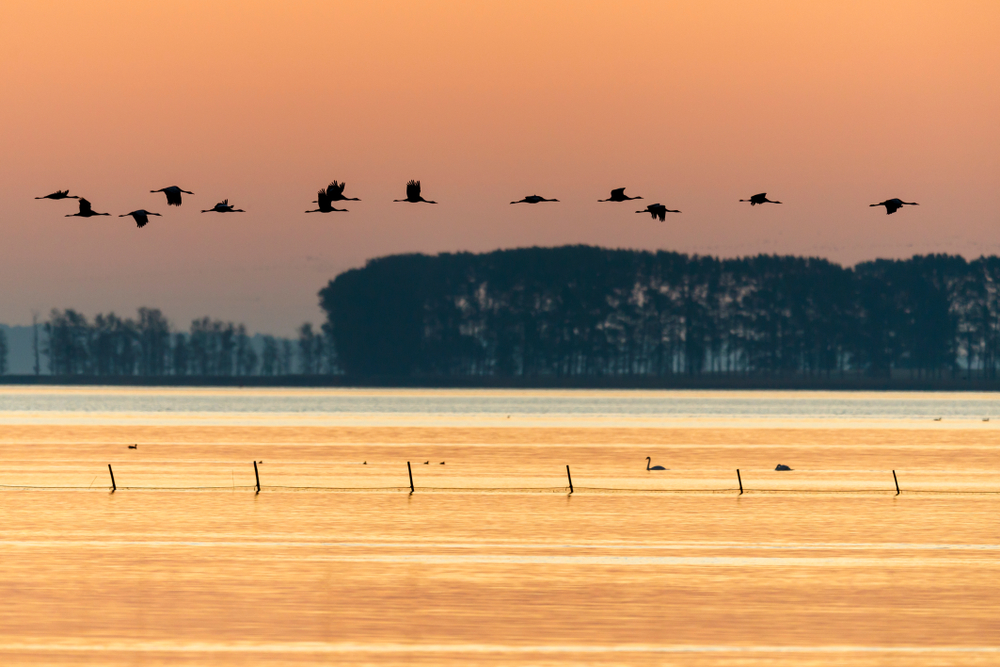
409	470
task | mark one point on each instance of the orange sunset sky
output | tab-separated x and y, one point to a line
827	106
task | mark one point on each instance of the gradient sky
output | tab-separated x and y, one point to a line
827	106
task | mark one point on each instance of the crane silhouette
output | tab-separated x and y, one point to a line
335	192
618	194
59	194
323	199
760	199
532	199
173	194
85	211
141	217
223	207
657	211
413	194
893	205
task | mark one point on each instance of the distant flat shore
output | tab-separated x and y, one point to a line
900	381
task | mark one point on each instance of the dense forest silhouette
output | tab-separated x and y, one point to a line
579	311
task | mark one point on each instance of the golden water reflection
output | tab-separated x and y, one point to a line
185	564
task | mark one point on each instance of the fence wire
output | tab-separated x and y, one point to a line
501	490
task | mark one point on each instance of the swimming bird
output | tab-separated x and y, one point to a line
173	194
893	205
335	191
618	194
323	199
782	466
986	419
760	199
413	194
937	419
223	207
648	461
59	194
85	210
141	217
133	446
532	199
657	211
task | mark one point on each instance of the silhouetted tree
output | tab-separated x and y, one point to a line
286	357
113	346
269	357
3	352
580	310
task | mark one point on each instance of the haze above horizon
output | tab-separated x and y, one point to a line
828	107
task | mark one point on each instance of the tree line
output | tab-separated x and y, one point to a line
110	345
586	311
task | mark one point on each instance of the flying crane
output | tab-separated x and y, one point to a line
413	194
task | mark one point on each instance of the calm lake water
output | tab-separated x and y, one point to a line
491	560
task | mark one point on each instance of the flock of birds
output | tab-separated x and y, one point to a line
334	192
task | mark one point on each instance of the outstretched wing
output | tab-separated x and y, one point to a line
335	190
85	207
173	196
323	199
617	193
892	206
413	189
140	218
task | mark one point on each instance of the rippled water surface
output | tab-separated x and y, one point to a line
491	560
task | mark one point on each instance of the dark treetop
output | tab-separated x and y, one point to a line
585	311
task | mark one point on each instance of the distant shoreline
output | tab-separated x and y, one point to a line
702	382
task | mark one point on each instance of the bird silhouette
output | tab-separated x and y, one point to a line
335	191
648	461
85	210
59	194
141	217
223	207
532	199
760	199
618	194
893	205
323	199
173	194
657	211
413	194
